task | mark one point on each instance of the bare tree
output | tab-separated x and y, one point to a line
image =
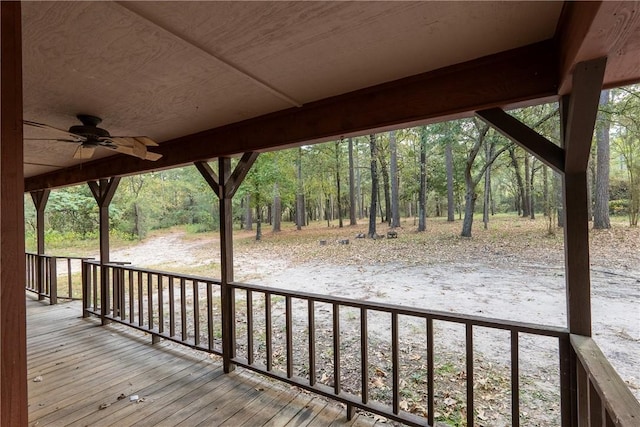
601	208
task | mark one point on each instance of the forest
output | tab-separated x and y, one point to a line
404	177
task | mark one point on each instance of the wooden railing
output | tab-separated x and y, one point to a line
267	336
603	399
54	277
182	308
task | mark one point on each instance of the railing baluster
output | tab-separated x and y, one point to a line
196	313
267	314
289	327
395	363
131	298
183	307
53	287
69	277
595	406
312	342
364	355
172	308
430	372
210	314
140	301
469	346
515	379
94	273
160	303
336	349
150	299
249	327
86	296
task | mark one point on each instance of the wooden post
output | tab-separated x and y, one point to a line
40	199
13	342
226	267
225	185
578	117
103	191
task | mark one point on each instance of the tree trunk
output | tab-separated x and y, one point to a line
449	166
339	197
526	199
300	216
248	214
469	208
384	170
487	187
422	194
519	182
352	193
277	208
601	209
545	190
258	222
374	187
557	185
395	207
532	194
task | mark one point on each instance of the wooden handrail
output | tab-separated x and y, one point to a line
618	405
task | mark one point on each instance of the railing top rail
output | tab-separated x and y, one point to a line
621	404
59	256
122	266
531	328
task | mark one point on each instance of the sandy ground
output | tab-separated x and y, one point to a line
519	290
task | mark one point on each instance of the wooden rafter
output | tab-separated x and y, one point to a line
536	144
519	75
231	185
209	175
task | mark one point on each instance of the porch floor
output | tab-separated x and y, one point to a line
80	368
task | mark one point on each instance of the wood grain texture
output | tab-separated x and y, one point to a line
180	387
516	76
13	346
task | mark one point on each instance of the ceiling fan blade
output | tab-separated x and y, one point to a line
84	152
143	139
74	141
125	149
134	147
73	136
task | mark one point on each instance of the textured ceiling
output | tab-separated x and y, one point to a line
168	69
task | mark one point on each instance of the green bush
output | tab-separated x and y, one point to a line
619	207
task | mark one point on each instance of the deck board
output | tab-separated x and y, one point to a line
84	366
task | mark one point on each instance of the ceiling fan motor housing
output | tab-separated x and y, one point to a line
89	128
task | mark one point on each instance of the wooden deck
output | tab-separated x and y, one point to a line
81	370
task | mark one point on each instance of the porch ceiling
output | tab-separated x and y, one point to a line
219	78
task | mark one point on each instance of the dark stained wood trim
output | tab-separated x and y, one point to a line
239	173
40	199
103	191
594	29
536	144
526	74
226	268
209	175
582	111
13	341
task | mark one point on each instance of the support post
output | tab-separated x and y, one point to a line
40	199
225	184
13	341
226	267
578	116
103	192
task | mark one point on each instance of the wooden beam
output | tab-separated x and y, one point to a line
226	268
512	77
103	191
239	173
13	342
536	144
40	199
593	29
582	112
209	175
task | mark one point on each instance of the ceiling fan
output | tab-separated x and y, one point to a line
90	136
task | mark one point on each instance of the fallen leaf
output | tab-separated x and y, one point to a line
37	379
377	382
379	372
404	405
104	406
450	402
122	396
